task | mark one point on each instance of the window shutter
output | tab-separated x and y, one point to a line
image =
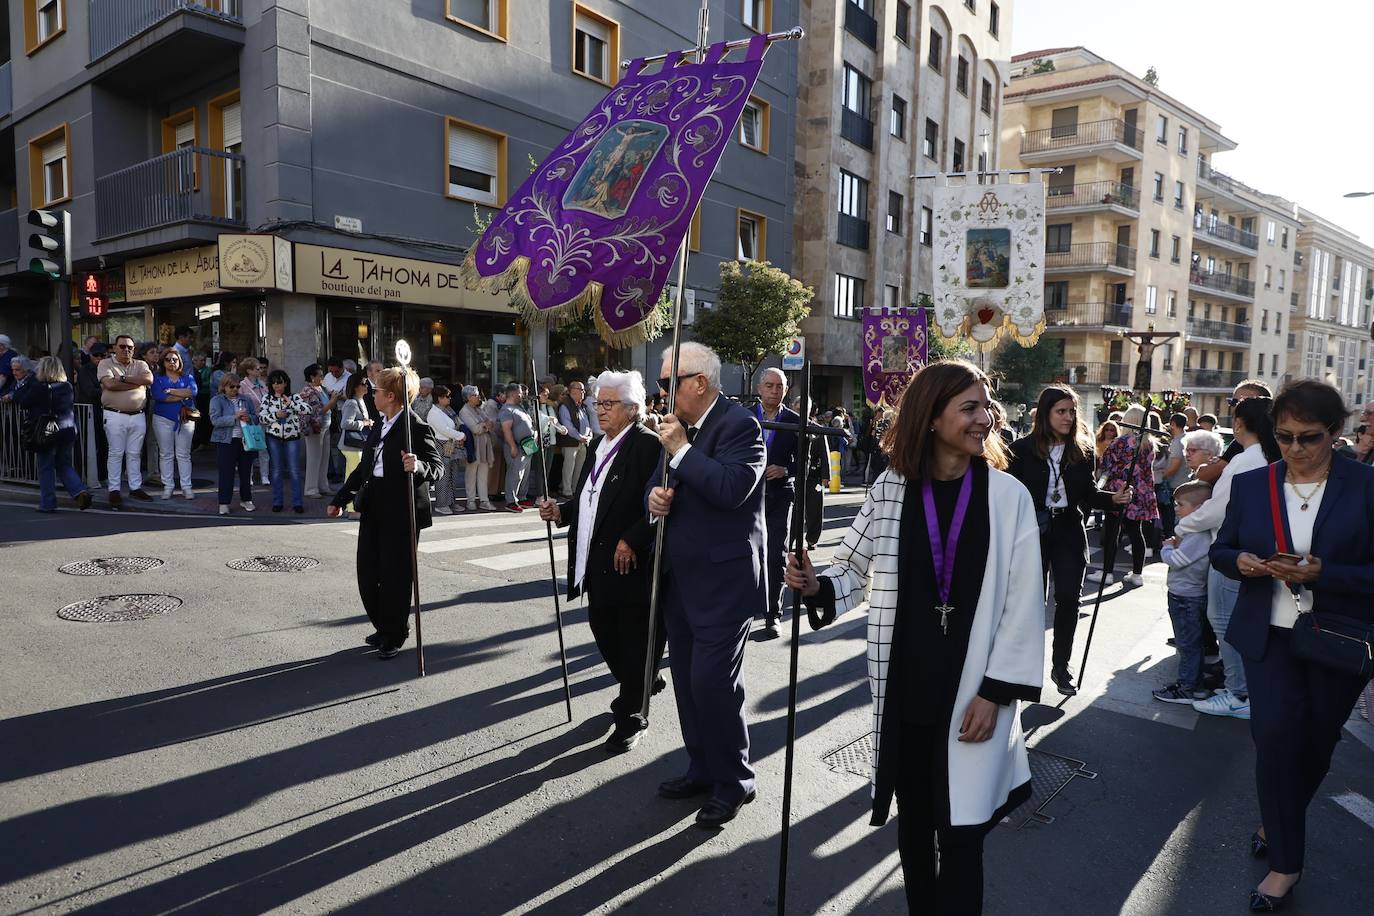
471	150
233	125
54	151
595	28
185	134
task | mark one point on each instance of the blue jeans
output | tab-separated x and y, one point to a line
233	460
1185	612
54	463
286	462
1221	602
1164	495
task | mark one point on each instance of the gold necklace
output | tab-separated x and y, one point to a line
1307	497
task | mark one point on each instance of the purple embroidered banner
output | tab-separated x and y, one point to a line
599	223
895	346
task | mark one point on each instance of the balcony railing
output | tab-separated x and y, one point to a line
1097	374
1228	233
1223	283
860	24
1090	315
186	185
1090	255
115	22
1088	133
1219	330
853	232
1093	194
855	128
1221	180
1212	378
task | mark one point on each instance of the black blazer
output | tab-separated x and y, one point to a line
782	451
620	516
383	500
1080	479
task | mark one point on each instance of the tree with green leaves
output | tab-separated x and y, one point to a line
1025	370
940	347
759	309
1042	65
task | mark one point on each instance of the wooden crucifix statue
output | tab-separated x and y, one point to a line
1146	342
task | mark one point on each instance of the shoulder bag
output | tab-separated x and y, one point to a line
254	438
41	431
1342	644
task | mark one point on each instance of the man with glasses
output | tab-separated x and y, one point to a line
1250	388
124	383
573	417
714	582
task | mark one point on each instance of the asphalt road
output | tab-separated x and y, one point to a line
245	753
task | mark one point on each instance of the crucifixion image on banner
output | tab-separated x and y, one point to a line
989	270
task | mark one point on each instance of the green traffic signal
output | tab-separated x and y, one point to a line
49	244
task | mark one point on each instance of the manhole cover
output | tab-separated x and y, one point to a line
118	608
274	564
1050	775
110	566
855	757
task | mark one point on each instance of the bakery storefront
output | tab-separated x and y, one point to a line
179	288
366	302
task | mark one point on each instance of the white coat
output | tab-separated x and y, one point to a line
1006	644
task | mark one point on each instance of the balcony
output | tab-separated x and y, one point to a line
189	187
853	232
860	24
138	44
1218	379
9	236
855	128
6	91
1089	316
1090	256
1096	374
1224	235
1219	183
1224	285
1204	330
1093	196
1112	139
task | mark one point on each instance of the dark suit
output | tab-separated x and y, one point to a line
778	496
1297	709
618	605
714	586
1064	546
384	571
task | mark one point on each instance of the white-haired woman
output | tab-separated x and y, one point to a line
1199	447
608	552
478	426
1129	462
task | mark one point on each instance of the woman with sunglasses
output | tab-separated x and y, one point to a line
174	390
229	409
1321	504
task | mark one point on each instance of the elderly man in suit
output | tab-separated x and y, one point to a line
714	581
377	488
779	488
610	544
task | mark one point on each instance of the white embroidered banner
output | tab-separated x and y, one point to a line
989	261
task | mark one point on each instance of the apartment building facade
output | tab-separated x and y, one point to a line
1332	310
888	90
367	139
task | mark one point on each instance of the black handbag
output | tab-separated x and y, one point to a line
40	432
1342	644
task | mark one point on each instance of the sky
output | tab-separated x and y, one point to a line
1288	83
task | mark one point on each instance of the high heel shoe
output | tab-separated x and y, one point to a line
1259	846
1264	903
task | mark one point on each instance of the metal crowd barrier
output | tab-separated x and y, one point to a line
19	465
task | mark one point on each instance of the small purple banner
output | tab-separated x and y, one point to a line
895	346
600	222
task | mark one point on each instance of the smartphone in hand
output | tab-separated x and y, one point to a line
1285	557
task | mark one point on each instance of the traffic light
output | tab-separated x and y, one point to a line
94	299
50	245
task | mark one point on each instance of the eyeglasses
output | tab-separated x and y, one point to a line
1233	401
1302	439
124	346
607	405
231	387
666	380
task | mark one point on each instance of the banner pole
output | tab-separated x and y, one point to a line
548	529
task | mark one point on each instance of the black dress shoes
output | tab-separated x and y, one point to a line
682	787
388	650
1264	903
1064	682
1259	847
624	739
374	640
716	813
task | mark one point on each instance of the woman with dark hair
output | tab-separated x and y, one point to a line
1129	463
1300	699
282	414
938	550
1057	465
1253	430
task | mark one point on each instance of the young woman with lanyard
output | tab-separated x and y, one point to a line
953	644
1057	464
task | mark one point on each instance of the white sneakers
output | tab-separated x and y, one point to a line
167	493
248	506
223	509
188	492
1132	579
444	510
1224	703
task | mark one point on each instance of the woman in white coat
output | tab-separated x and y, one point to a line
946	552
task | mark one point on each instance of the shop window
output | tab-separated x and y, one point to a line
753	236
486	16
596	45
476	160
754	125
50	167
44	20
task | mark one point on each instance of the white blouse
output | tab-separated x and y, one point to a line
1284	612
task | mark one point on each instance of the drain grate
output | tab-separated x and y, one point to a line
856	757
119	608
274	564
110	566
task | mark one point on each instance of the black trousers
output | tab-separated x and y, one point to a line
777	509
1136	535
621	632
102	445
384	575
815	513
942	867
1062	551
1297	711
